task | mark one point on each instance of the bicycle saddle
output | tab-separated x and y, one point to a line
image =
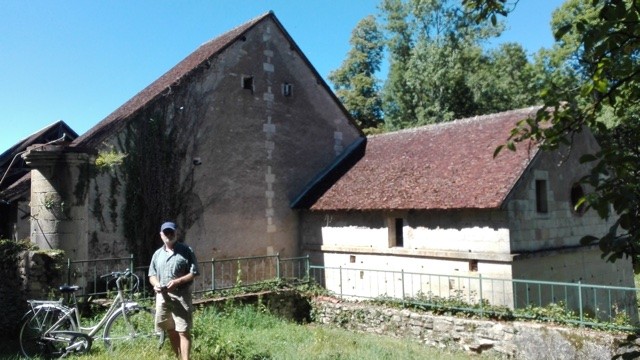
65	289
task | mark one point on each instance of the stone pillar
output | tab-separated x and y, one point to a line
59	187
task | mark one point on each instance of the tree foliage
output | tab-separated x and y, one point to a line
355	82
439	70
599	45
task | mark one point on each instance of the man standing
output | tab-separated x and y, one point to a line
172	270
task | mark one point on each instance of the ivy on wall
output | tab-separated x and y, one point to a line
151	177
24	279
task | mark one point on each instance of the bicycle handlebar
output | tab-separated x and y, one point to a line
117	274
121	276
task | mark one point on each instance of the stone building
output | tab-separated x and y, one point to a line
434	200
222	143
245	146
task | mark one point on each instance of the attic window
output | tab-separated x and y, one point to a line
577	193
247	83
541	197
287	89
396	236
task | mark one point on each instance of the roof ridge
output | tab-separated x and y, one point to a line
250	21
441	125
168	79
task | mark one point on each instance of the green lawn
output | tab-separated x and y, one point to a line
249	332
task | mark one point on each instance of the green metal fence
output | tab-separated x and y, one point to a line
88	274
221	274
214	274
579	303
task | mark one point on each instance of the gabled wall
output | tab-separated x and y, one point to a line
560	226
223	153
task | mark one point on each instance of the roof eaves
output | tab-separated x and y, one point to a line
330	174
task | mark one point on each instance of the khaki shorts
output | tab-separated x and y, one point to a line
174	312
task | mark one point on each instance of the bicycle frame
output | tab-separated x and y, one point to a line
54	327
120	303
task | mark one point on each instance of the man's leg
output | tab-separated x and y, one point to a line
185	344
174	338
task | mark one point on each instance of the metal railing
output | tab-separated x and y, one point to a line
222	274
215	274
582	304
87	273
578	303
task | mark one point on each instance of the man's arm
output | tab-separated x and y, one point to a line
180	281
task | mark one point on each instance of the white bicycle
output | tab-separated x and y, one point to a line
53	328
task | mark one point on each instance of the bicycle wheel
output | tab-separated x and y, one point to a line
38	335
134	326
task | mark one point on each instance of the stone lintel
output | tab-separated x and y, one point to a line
45	155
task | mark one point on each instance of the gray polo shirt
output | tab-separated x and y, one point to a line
166	265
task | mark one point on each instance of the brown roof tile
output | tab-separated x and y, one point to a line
444	166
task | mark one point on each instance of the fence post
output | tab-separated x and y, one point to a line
133	271
68	271
213	274
307	270
580	300
341	281
278	266
481	300
403	299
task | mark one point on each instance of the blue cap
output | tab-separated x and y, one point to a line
168	225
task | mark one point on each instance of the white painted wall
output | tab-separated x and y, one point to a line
373	276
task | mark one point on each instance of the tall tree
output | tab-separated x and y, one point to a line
355	82
396	94
439	70
601	41
503	78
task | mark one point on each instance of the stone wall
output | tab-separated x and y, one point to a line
520	340
30	275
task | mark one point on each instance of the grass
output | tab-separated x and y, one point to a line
250	332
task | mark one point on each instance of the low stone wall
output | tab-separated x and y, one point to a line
27	275
518	340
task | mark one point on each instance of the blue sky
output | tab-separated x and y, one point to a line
78	61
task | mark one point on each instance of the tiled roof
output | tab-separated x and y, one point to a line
12	167
175	75
437	167
17	189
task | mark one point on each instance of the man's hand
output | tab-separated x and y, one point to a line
173	284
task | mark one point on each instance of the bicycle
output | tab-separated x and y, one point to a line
53	328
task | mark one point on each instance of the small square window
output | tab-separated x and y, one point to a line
473	265
287	89
247	83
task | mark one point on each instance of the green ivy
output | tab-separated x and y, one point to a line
10	249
